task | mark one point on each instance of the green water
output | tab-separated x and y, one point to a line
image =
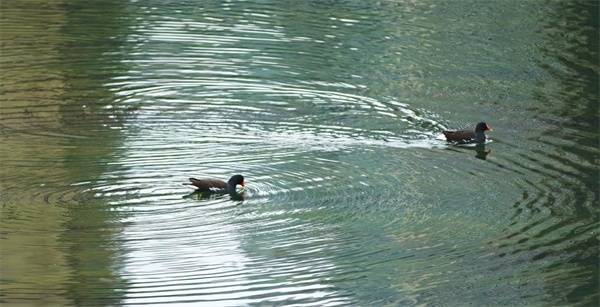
333	111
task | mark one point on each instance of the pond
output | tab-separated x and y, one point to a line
333	111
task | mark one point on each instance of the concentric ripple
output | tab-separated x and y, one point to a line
333	112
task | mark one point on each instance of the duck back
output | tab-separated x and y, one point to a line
458	136
208	184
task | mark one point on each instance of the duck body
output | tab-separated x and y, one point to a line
216	185
468	136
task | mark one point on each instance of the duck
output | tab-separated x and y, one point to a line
217	185
467	136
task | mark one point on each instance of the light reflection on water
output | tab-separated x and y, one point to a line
333	113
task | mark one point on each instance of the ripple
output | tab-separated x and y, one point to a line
333	113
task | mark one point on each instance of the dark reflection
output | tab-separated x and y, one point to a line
204	195
93	256
93	31
481	152
58	58
571	192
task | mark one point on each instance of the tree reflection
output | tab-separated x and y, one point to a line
570	52
58	57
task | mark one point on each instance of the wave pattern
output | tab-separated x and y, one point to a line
333	112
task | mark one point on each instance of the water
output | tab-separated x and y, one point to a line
333	111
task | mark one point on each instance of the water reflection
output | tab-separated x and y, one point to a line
54	110
332	109
570	201
481	152
203	195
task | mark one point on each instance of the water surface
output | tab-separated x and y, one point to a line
333	111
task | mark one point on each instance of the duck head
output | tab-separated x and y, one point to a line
235	180
480	130
482	126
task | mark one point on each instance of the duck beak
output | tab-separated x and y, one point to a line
488	127
242	184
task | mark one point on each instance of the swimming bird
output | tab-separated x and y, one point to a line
466	136
216	185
